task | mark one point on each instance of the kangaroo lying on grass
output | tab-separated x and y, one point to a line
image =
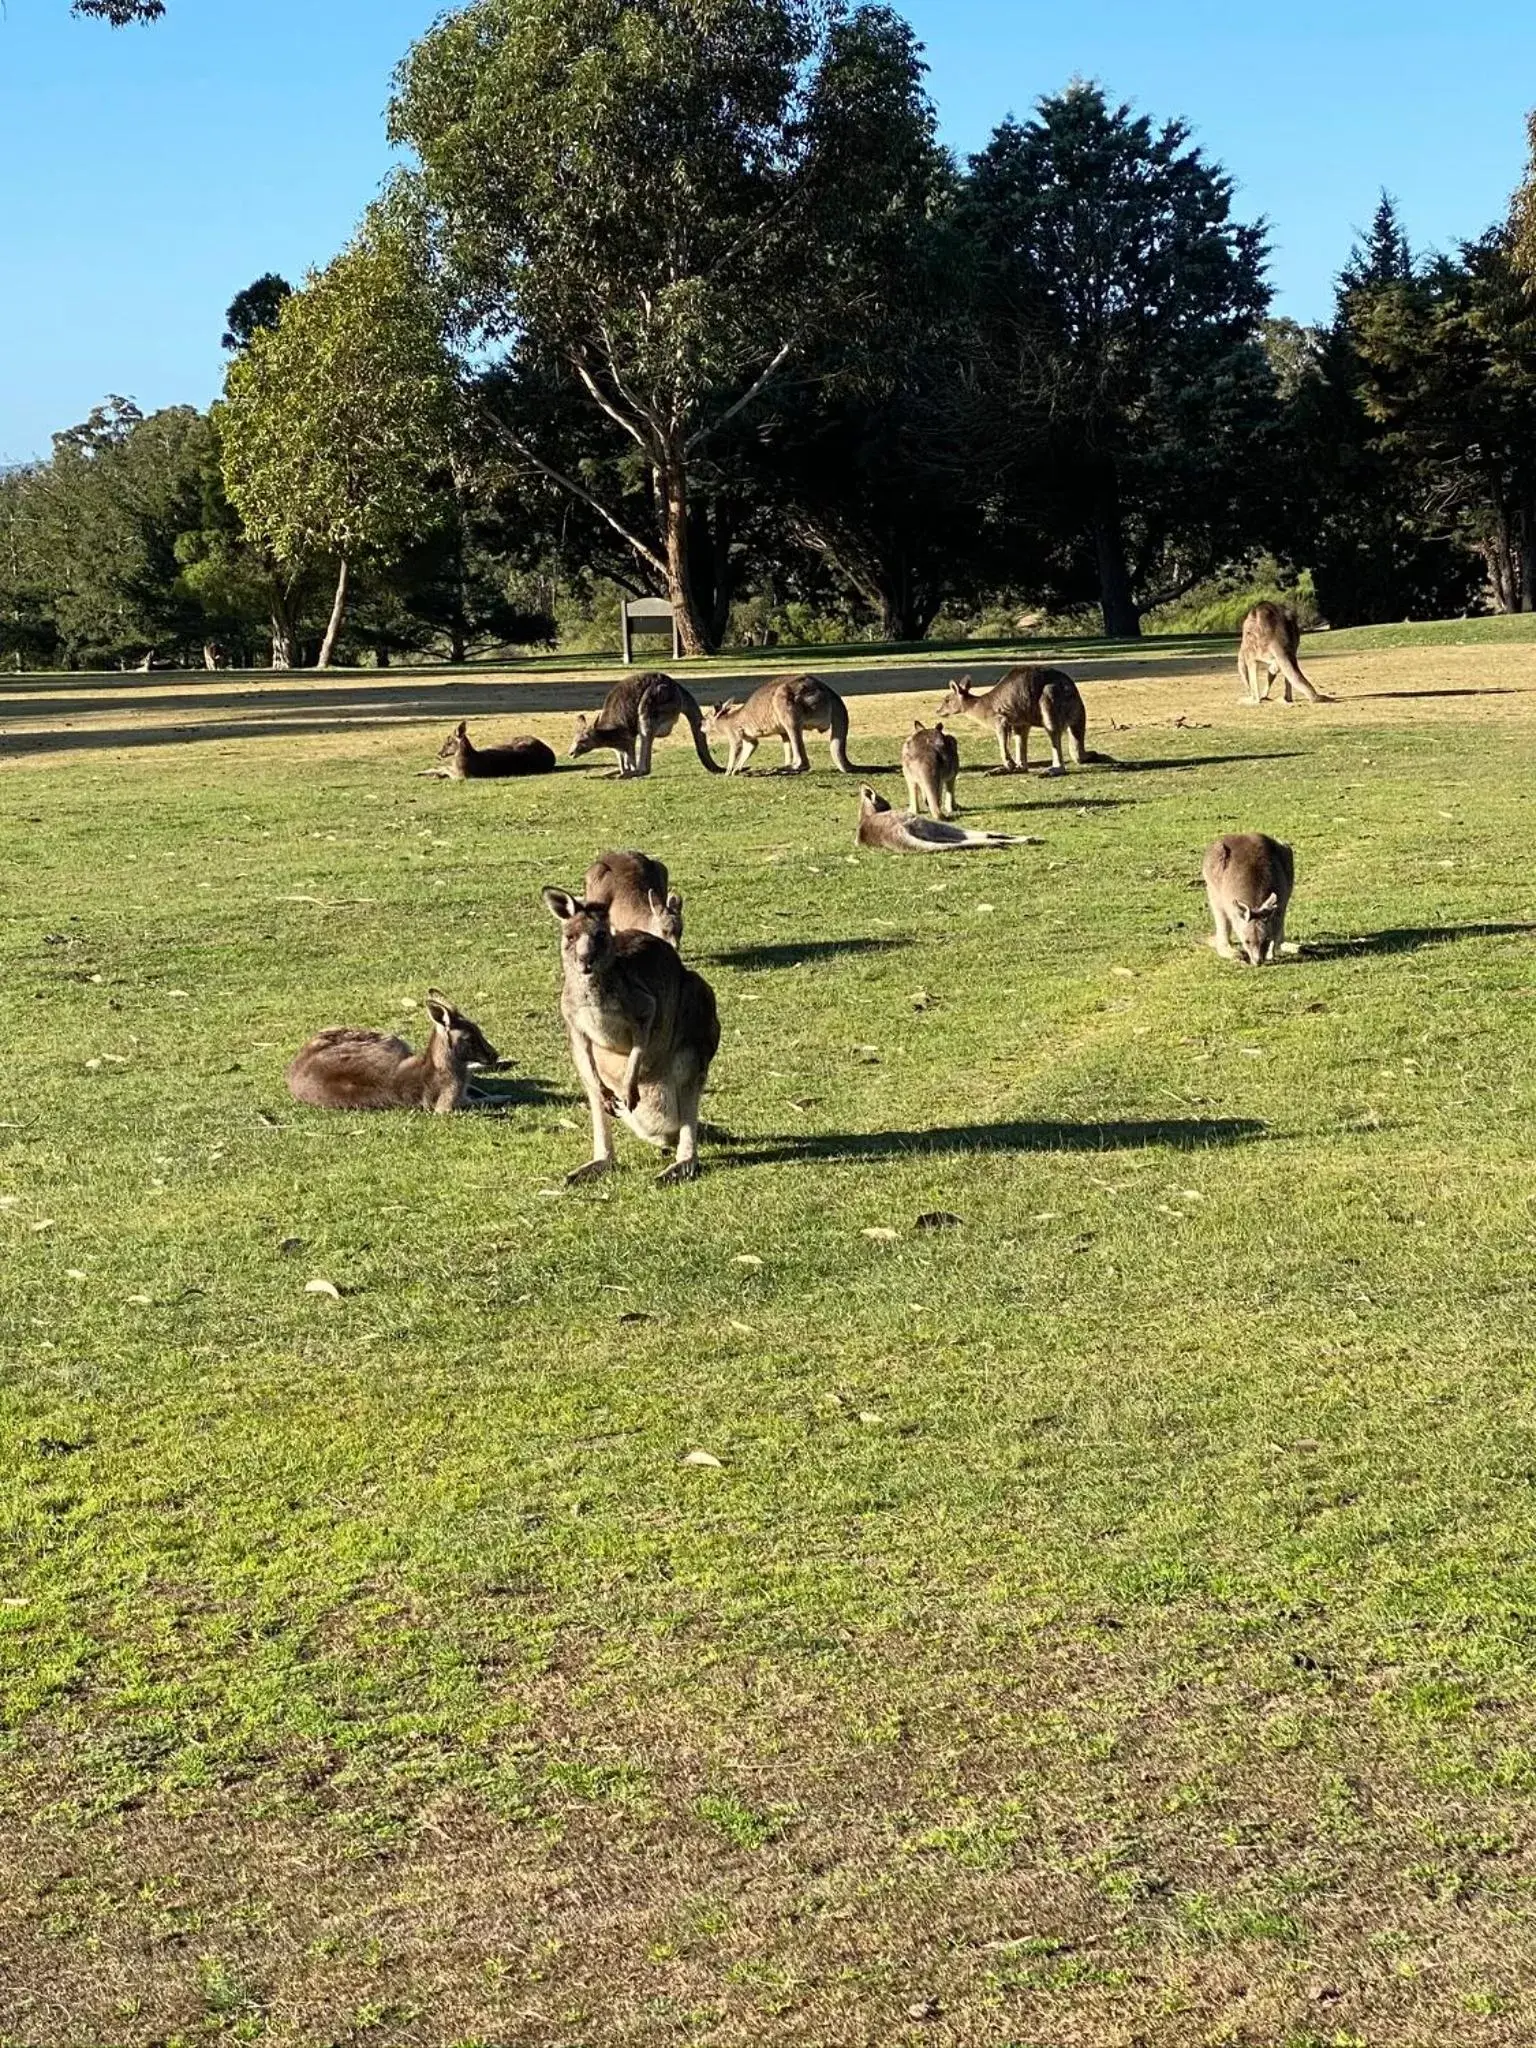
1248	882
643	1029
634	889
930	761
906	832
1026	697
790	706
1271	638
524	756
346	1069
636	713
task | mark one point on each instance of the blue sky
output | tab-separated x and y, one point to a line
148	173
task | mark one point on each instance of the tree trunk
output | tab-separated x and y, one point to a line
1117	600
672	489
284	633
338	613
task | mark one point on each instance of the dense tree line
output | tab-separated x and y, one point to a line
684	297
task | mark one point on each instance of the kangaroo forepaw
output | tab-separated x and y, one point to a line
685	1169
593	1170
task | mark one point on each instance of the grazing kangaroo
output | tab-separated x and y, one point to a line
637	712
1271	638
790	706
1026	696
906	832
634	889
930	761
524	756
1248	882
643	1029
346	1069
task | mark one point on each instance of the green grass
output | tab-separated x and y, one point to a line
1113	1616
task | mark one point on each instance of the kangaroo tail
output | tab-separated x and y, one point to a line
837	736
695	719
1298	681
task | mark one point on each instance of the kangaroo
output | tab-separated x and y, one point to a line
790	706
522	756
634	888
1271	638
906	832
345	1069
643	1029
637	712
1026	696
1248	882
930	761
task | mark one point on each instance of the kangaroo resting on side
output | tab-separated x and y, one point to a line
523	756
643	1029
346	1069
790	706
1248	881
1025	697
930	761
637	712
905	832
634	889
1271	638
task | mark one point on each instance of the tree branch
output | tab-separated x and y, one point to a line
568	483
743	402
607	404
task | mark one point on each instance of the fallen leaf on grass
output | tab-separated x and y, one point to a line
700	1458
745	1329
76	1273
141	1300
636	1315
290	1245
938	1219
882	1233
922	1000
9	1201
93	1066
869	1415
984	909
323	1287
748	1259
46	1224
1125	973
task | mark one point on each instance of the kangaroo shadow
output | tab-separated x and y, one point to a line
796	952
1153	767
1408	939
496	1093
1185	1134
1066	802
1493	690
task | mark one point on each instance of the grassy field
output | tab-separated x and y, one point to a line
1112	1619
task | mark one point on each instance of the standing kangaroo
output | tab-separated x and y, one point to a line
790	706
346	1069
1248	881
634	889
1025	697
643	1029
906	832
523	756
1271	638
930	761
637	712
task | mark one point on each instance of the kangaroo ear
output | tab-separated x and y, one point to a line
1243	911
560	903
1271	902
654	901
674	901
581	721
461	730
439	1009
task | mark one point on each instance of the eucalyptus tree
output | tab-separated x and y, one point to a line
681	203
